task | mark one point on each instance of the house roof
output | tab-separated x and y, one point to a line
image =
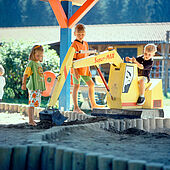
95	34
74	2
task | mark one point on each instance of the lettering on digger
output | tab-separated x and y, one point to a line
104	58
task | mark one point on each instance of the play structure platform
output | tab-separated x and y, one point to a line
128	113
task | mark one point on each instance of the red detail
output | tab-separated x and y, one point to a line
78	15
129	104
103	79
157	103
65	72
71	71
49	85
59	13
104	58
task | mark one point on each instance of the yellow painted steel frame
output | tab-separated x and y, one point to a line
123	81
111	57
64	70
123	85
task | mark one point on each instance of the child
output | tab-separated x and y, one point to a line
36	83
144	63
2	82
81	73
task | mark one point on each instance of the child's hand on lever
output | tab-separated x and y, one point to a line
133	60
127	59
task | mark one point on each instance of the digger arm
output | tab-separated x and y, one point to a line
111	57
61	78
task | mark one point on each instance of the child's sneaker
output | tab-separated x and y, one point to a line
141	101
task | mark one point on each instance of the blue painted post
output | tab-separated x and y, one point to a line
34	157
65	43
120	164
19	157
5	157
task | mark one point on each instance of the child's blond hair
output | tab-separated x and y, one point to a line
35	48
79	27
2	71
150	48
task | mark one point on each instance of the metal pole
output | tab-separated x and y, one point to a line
166	63
163	55
65	43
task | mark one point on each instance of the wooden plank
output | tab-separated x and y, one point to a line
59	13
75	2
78	15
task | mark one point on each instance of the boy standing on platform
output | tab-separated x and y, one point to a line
144	63
83	72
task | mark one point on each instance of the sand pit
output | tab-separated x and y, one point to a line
130	144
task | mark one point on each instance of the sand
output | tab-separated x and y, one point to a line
130	144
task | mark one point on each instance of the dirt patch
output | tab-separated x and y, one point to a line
130	144
48	124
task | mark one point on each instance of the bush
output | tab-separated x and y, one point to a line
14	58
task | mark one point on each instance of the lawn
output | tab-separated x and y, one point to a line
166	100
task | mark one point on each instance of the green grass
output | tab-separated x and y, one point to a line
166	100
44	100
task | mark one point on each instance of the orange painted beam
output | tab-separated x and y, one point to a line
76	17
59	13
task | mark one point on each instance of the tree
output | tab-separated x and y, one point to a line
14	58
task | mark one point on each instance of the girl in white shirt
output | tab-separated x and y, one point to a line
2	82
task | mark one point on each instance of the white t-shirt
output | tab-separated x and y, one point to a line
2	84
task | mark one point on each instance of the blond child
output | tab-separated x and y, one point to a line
36	83
84	72
144	63
2	82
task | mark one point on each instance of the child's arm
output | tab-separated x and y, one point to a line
138	64
23	87
133	60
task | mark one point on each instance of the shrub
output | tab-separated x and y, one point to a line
14	58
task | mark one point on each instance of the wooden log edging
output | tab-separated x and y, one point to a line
149	124
36	157
49	156
18	108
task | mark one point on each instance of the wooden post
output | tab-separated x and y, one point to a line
65	43
63	13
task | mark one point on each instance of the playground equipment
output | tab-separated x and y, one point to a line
122	88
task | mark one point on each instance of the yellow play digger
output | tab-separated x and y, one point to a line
122	88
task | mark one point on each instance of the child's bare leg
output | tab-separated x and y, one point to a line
31	116
75	99
90	84
141	87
